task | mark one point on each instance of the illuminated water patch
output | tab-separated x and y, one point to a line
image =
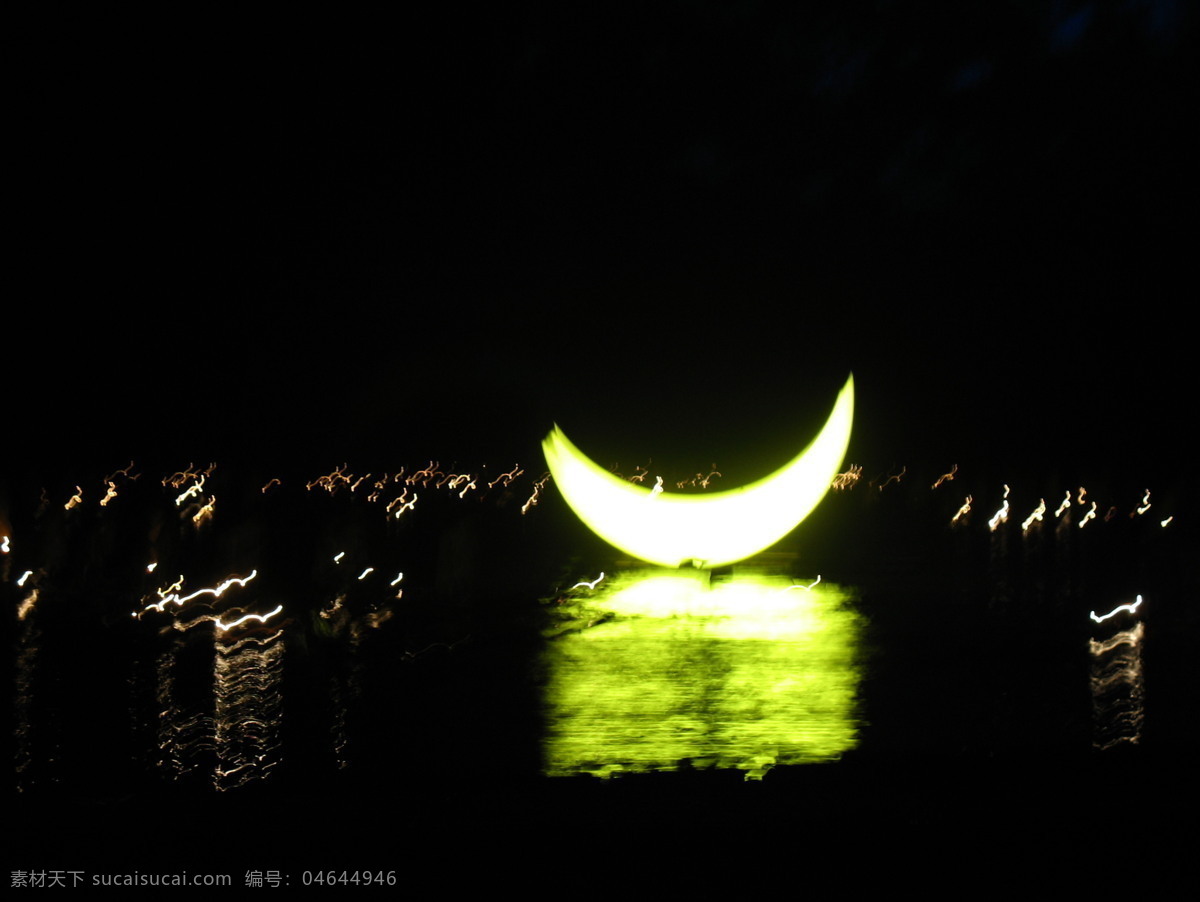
656	670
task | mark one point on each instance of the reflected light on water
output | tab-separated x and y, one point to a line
658	670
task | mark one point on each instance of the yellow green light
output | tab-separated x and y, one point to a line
664	669
706	530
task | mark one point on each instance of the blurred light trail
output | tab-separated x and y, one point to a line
945	477
893	478
204	512
24	576
809	587
76	499
261	618
590	585
1124	607
405	505
507	478
27	604
532	500
1090	515
1145	504
844	481
1064	506
964	510
4	545
1001	516
192	491
216	592
1163	523
1036	516
364	574
271	482
1118	688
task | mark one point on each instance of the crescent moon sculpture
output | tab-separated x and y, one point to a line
703	530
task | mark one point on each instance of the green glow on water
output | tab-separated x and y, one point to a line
663	669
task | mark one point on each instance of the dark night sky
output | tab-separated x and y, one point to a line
674	232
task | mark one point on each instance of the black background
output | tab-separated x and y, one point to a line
672	230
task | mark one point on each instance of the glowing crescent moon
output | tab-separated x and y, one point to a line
706	530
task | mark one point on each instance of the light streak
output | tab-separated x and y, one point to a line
1001	516
537	491
809	587
363	575
337	558
1112	512
174	587
1036	516
4	546
274	481
945	477
1082	493
1090	515
423	476
844	481
177	479
1065	506
964	510
26	605
77	498
459	480
152	566
507	478
179	601
1145	504
123	472
24	576
590	585
657	490
261	618
399	577
893	478
1163	523
1132	636
205	512
1131	608
326	613
331	481
111	482
404	505
194	490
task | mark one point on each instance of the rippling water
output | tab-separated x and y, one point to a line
462	663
